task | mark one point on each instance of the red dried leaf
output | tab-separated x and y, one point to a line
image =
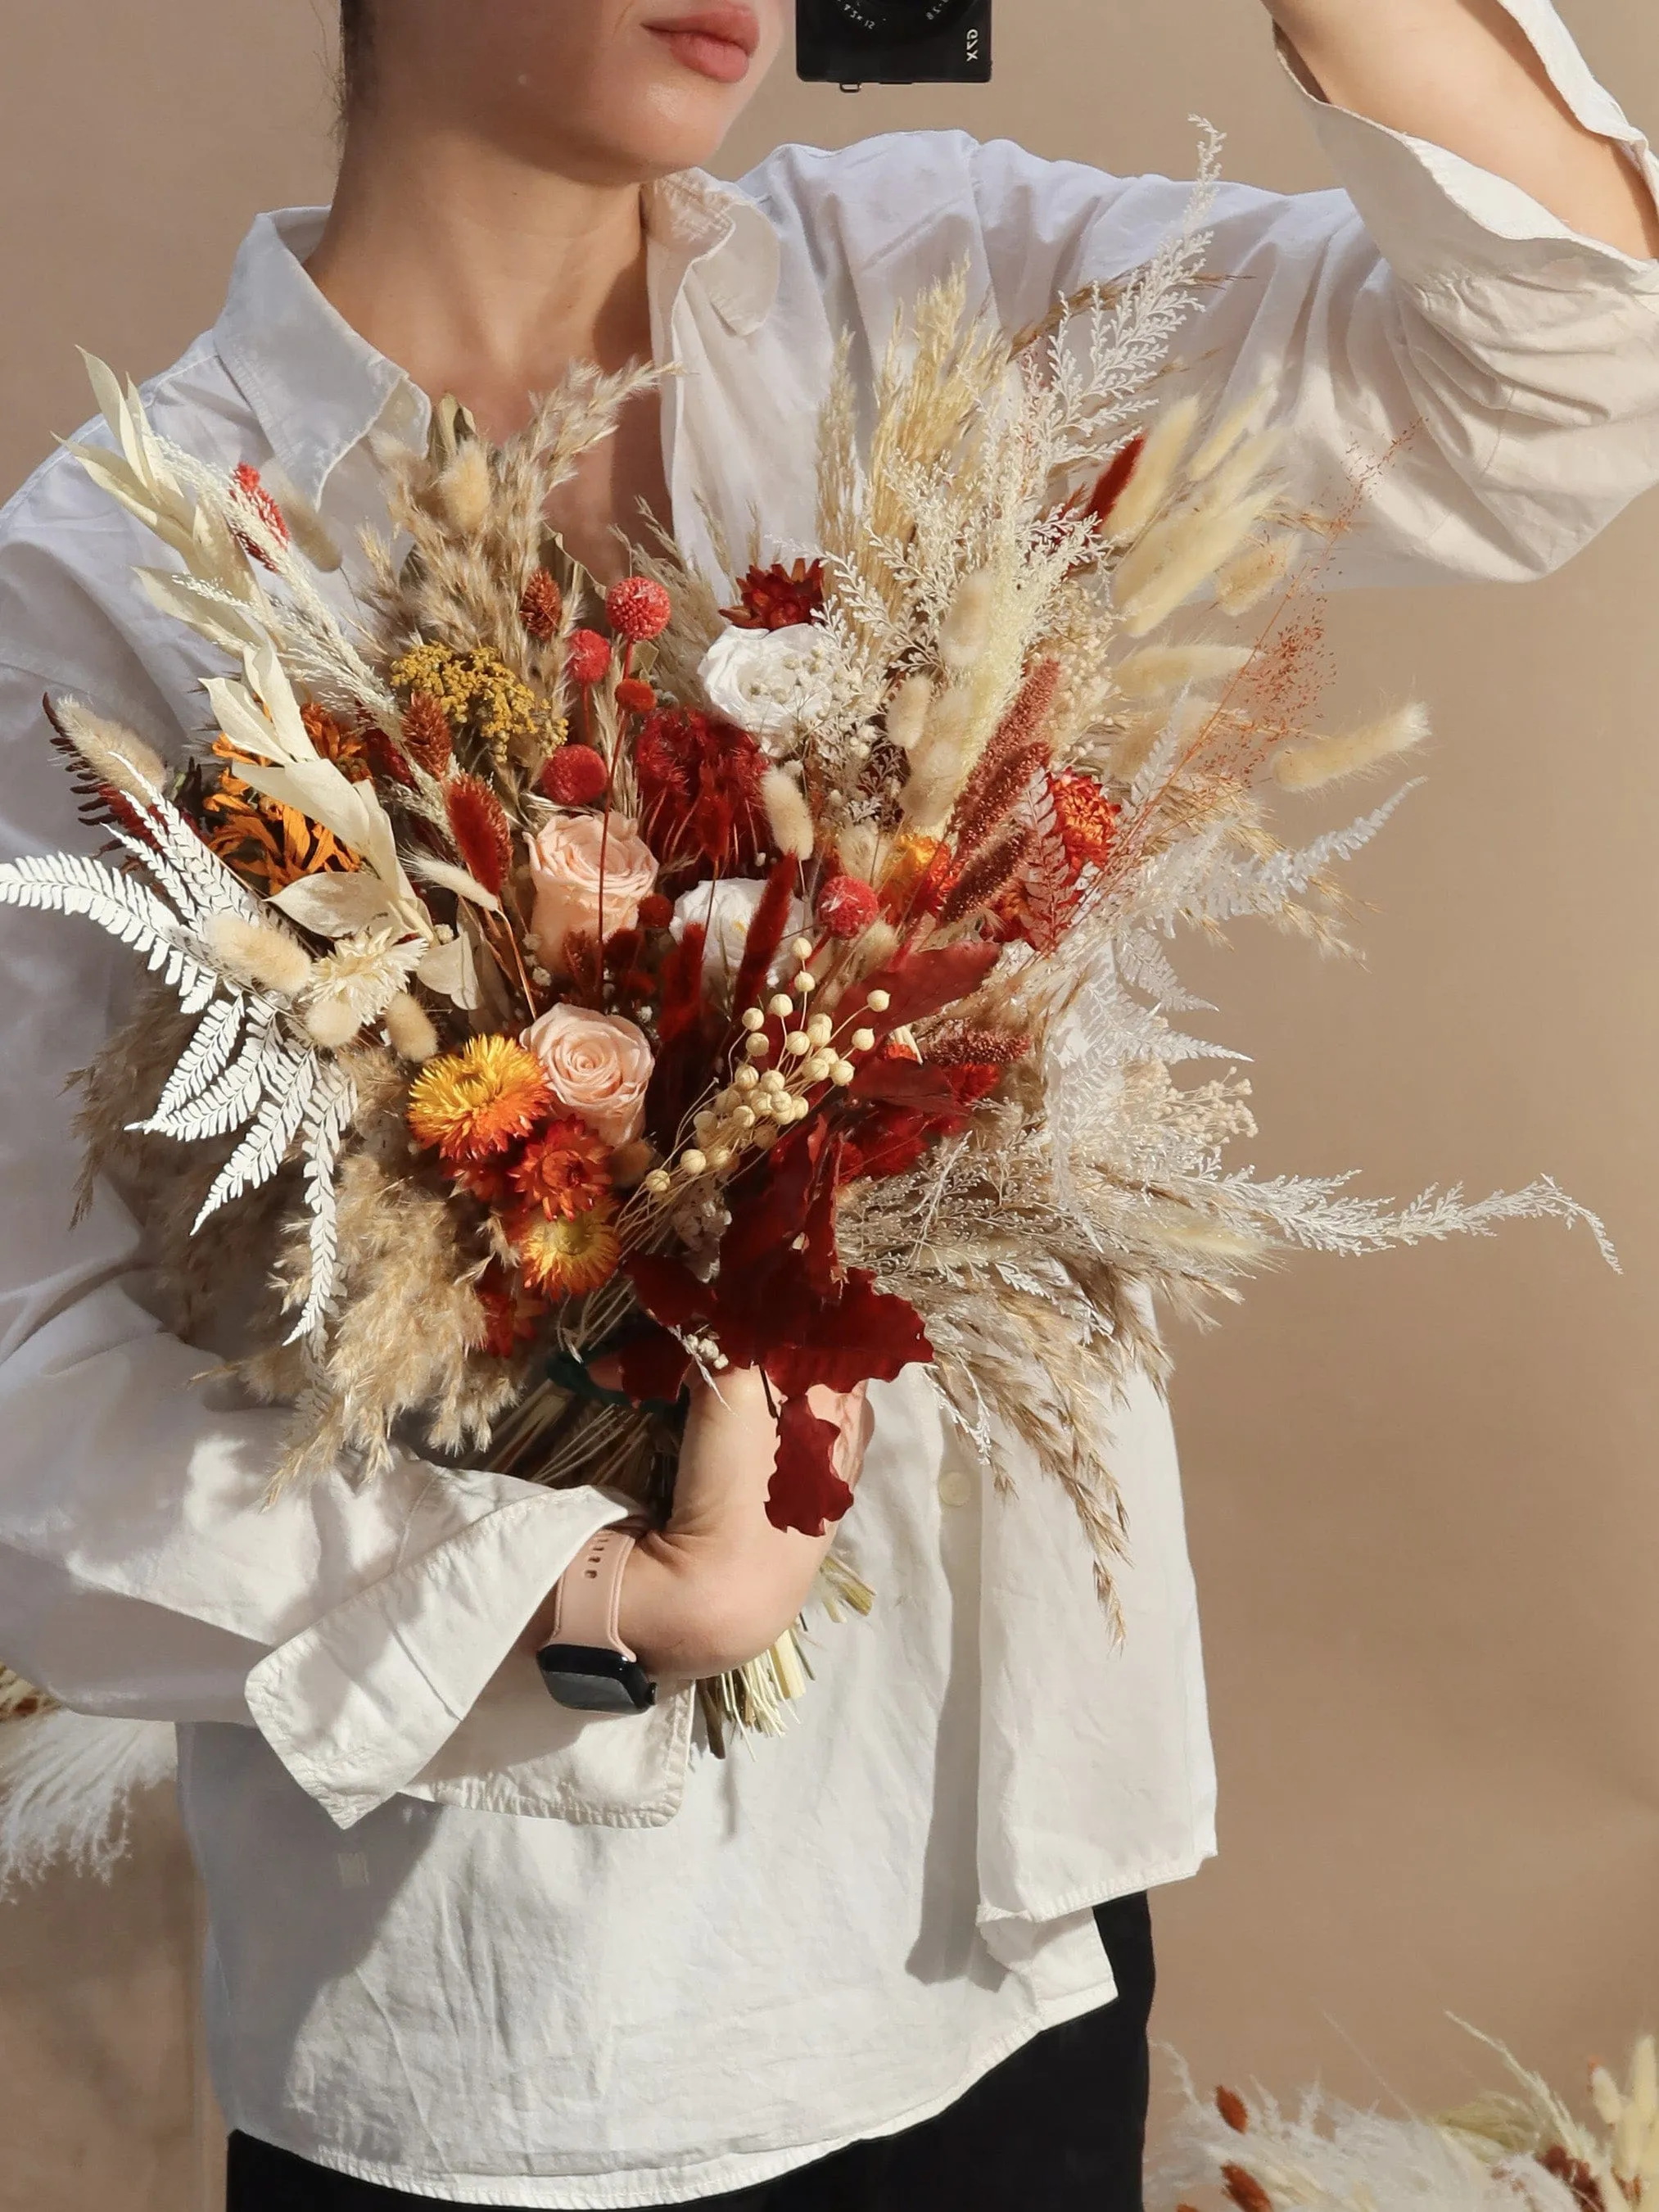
926	982
669	1293
655	1365
807	1493
865	1336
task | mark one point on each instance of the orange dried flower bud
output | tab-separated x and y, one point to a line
428	738
635	697
541	610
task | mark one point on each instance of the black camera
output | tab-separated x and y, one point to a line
854	42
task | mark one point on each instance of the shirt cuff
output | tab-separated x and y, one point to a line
1435	215
360	1703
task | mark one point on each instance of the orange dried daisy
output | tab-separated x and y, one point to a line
476	1102
562	1258
564	1171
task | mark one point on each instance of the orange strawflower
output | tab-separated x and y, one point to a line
562	1258
564	1171
779	598
474	1104
1087	820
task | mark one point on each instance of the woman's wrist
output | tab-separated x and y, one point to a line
694	1605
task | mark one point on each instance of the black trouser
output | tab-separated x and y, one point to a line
1061	2124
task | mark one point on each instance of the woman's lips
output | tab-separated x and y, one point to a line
719	44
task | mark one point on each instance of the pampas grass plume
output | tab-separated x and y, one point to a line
266	956
408	1027
462	493
907	712
967	627
1319	761
790	816
1155	472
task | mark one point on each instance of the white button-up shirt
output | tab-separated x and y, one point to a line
464	1943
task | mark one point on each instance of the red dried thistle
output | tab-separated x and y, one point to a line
635	697
541	606
587	659
250	491
482	833
639	609
700	789
779	598
1086	819
564	1169
1245	2190
846	906
1234	2109
575	776
428	738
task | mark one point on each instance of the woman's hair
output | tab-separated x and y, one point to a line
356	23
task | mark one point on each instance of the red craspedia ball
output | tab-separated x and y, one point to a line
638	609
848	906
575	776
656	912
589	659
635	697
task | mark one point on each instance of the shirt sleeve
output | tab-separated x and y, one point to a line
355	1624
1489	376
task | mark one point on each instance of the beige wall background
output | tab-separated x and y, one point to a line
1422	1489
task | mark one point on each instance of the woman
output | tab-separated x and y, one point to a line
465	1947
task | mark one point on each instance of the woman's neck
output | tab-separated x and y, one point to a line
478	274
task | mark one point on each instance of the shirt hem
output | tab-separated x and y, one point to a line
630	2191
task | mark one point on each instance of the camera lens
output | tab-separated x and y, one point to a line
890	20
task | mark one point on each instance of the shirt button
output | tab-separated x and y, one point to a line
955	1487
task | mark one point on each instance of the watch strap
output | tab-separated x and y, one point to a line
588	1603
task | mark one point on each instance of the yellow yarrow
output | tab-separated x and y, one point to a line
480	693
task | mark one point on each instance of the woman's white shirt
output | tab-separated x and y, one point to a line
463	1943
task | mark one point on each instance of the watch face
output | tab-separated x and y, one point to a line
889	19
589	1694
591	1679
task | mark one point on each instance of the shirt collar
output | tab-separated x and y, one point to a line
319	388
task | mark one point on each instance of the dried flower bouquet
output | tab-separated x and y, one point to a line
538	970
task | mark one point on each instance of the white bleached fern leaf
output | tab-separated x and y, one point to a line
327	1119
68	883
289	1082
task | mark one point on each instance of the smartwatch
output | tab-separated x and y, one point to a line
584	1663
